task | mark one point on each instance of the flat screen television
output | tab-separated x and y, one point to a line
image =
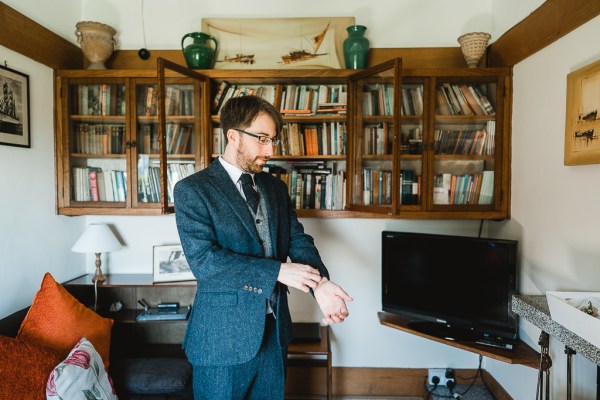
454	287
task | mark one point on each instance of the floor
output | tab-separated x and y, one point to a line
476	392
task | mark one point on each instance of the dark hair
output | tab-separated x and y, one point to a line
240	112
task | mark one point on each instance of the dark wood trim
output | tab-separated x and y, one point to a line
349	381
551	21
27	37
426	57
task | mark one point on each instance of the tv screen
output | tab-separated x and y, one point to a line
455	287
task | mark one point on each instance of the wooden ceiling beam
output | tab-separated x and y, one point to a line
27	37
548	23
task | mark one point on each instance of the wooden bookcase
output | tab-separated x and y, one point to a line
389	142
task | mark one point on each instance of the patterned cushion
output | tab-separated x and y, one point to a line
24	369
58	320
80	376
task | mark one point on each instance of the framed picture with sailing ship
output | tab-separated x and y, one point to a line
14	108
278	43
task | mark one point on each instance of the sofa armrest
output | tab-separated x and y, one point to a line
9	325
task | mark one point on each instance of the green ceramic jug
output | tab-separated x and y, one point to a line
199	55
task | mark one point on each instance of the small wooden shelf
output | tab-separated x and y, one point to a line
522	354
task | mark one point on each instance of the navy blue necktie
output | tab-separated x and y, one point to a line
249	191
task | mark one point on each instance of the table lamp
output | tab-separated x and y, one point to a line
97	238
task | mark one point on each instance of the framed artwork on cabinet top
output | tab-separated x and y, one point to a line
170	265
14	108
582	126
278	43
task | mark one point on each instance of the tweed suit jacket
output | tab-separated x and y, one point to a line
225	254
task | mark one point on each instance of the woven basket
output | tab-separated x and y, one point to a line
473	47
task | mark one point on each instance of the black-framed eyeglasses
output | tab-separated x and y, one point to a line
264	140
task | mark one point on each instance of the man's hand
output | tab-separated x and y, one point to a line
332	301
299	276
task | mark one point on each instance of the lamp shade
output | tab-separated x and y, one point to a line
97	238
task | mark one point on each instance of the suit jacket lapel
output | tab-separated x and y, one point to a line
230	192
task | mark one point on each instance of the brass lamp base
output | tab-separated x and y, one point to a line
98	275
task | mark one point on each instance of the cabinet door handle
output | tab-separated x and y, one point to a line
130	144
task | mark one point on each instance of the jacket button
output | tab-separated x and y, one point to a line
259	291
255	290
245	287
250	288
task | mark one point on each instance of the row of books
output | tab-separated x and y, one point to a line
94	184
377	187
149	179
178	100
327	138
99	139
227	91
377	138
477	188
101	100
178	138
313	99
462	99
295	99
378	100
312	185
466	142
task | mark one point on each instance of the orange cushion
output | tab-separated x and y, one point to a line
58	320
25	368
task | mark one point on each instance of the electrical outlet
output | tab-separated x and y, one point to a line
440	376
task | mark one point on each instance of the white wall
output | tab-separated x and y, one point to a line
555	213
553	206
33	239
390	23
507	13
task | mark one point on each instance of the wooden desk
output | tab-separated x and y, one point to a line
305	352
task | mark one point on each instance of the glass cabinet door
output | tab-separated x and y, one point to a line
380	141
97	143
183	103
410	184
180	138
466	156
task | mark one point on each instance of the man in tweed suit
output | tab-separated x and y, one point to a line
238	231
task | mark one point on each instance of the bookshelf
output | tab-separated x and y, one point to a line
385	142
123	141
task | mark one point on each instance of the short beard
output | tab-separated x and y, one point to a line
246	163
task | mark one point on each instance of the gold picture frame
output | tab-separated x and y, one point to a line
582	125
278	43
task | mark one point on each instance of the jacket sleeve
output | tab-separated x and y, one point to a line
219	249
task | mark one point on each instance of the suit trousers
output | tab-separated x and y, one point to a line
262	378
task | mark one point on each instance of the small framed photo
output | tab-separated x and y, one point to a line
170	265
14	108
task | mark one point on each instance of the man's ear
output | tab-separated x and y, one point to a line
232	136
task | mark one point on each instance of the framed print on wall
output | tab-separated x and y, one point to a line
14	108
278	43
170	265
582	126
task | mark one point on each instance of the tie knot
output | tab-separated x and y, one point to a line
249	191
246	179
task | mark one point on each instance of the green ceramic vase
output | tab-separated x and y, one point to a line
199	55
356	47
